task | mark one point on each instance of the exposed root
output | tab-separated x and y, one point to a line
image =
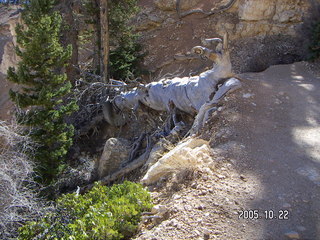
135	147
206	109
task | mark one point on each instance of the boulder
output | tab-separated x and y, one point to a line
115	153
251	10
189	154
290	11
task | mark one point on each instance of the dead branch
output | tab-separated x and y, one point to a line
17	189
135	147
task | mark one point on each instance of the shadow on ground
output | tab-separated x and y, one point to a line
279	127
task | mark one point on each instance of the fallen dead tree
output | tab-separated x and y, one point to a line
193	95
197	96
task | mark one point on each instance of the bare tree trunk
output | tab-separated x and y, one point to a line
96	39
104	24
71	37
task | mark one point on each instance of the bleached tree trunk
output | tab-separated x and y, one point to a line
104	25
192	95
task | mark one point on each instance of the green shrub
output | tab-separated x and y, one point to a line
102	213
124	60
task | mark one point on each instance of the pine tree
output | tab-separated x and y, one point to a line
44	86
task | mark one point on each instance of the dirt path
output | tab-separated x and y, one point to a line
266	142
281	135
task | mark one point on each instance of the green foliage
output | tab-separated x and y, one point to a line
124	58
43	85
120	12
102	213
124	53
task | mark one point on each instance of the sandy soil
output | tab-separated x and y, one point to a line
266	141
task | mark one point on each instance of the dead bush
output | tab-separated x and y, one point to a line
17	190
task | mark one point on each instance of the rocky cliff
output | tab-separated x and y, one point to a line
8	21
263	32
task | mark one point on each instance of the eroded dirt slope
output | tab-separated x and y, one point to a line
266	142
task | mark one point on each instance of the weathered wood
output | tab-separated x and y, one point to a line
206	109
187	94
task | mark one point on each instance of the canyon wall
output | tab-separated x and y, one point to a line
262	33
9	18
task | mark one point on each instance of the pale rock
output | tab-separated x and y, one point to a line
221	176
115	153
189	154
247	95
196	232
177	196
159	209
252	10
148	20
290	10
252	29
207	170
173	223
156	153
285	16
8	54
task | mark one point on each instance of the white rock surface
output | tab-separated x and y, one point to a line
189	154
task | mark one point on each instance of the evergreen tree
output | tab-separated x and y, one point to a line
44	86
122	61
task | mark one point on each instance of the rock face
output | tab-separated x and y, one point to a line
169	5
8	21
257	10
256	24
115	153
190	154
